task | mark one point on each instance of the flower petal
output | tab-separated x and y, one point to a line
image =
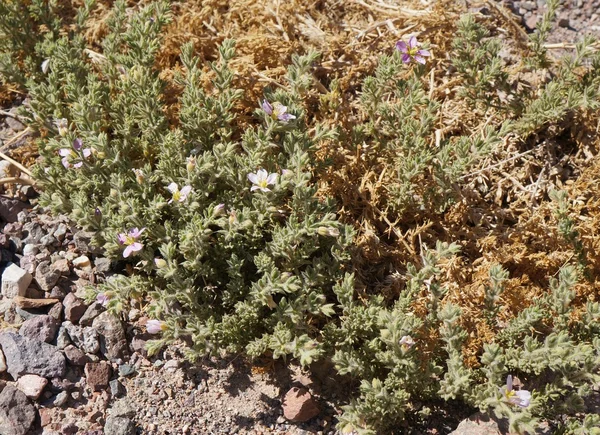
424	53
523	398
86	152
272	179
401	46
509	383
64	152
253	188
253	178
172	187
137	246
185	191
77	144
78	165
412	42
266	106
65	163
406	58
153	326
420	59
127	252
121	238
262	174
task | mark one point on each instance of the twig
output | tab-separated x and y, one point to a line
557	45
17	164
498	164
11	115
17	136
536	187
18	180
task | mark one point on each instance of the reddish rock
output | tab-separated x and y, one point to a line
75	356
98	375
298	405
23	302
74	308
45	416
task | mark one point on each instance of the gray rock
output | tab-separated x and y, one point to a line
2	362
75	356
15	281
91	313
56	311
116	388
119	426
46	275
60	232
74	307
40	328
122	408
61	399
17	414
480	424
47	240
85	338
83	240
102	264
28	263
113	343
34	231
10	208
30	249
62	339
13	123
27	356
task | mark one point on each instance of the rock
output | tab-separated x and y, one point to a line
46	275
91	313
122	408
40	328
479	424
119	426
2	362
62	266
564	22
126	370
47	240
28	263
10	209
531	22
61	398
298	405
62	339
32	385
13	123
34	231
33	293
56	311
138	343
74	307
28	303
171	365
15	281
113	343
27	356
58	292
85	338
116	388
83	240
102	265
82	262
17	414
98	375
75	356
7	169
45	416
30	249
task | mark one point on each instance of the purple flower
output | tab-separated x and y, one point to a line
410	51
154	326
406	342
179	195
261	179
520	397
76	154
129	240
277	111
102	299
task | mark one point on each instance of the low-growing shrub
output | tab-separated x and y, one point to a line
214	211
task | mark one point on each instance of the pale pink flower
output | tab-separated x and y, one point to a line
277	111
520	398
154	326
76	154
129	240
411	51
102	299
261	180
179	195
406	342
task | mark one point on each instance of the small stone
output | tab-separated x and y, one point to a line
62	338
28	303
126	370
171	365
33	293
113	343
116	388
56	311
74	307
98	375
122	408
478	424
46	275
32	385
119	426
564	22
58	292
61	398
85	338
298	405
531	22
41	328
62	266
102	265
28	263
82	240
45	416
2	362
30	249
10	209
75	356
91	313
17	414
60	232
34	232
138	344
47	240
82	262
15	281
27	356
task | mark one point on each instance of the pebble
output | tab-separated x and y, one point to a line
61	398
32	385
46	275
74	308
27	356
17	414
82	262
41	328
2	362
98	375
15	281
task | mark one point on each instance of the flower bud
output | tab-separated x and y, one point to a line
191	163
328	231
160	263
219	210
139	176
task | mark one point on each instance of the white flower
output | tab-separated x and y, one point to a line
154	326
261	180
520	398
45	66
406	342
179	195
